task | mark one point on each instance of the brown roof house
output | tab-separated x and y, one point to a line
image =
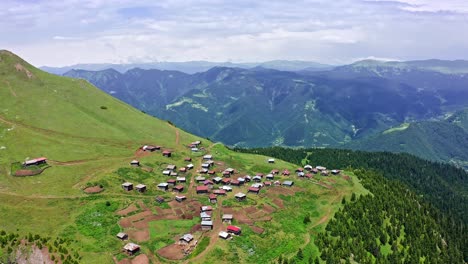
166	153
202	189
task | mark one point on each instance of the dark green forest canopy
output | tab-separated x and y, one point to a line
397	181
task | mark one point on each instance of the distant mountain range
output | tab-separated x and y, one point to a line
191	67
347	106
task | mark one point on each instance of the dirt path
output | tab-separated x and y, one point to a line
9	87
177	133
213	235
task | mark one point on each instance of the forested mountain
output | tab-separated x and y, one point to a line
194	66
355	106
408	194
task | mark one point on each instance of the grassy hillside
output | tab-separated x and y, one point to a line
89	139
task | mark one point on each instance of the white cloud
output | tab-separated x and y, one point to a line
74	31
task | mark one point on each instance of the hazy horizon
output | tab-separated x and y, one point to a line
69	32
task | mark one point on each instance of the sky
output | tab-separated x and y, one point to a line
67	32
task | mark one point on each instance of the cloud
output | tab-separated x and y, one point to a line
83	31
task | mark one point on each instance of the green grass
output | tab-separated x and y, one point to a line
163	232
200	247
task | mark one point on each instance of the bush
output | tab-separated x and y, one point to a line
104	107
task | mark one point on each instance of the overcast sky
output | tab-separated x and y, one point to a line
65	32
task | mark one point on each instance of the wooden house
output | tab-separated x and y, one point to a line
200	179
173	174
235	183
335	172
224	235
275	171
240	196
128	186
189	166
227	218
205	165
234	230
267	183
122	236
163	186
207	157
178	188
135	163
288	183
206	225
247	178
166	172
202	189
140	188
270	176
213	198
180	198
205	216
324	173
185	239
226	174
257	179
131	248
171	182
208	183
181	179
36	161
227	188
271	160
254	190
167	153
183	169
286	173
321	168
159	199
217	180
206	208
220	192
241	180
171	167
226	181
188	159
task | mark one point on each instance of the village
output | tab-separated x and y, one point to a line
206	189
216	184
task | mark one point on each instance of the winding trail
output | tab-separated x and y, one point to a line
9	87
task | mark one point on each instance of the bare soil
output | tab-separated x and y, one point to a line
172	252
139	236
141	259
94	189
257	229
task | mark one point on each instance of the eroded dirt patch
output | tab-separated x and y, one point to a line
172	252
94	189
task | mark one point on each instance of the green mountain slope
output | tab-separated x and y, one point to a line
434	140
77	205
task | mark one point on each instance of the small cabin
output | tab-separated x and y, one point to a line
206	225
226	174
183	169
335	172
128	186
275	171
271	160
257	179
270	176
206	208
227	188
241	180
200	179
211	172
247	178
186	239
122	236
286	173
202	189
171	182
308	167
166	172
321	168
288	183
254	190
205	216
219	192
213	198
131	248
234	230
226	181
257	185
37	161
181	179
190	166
171	167
159	199
324	173
163	186
173	174
208	183
180	198
224	235
167	153
188	159
207	157
267	183
178	188
217	180
135	163
240	196
235	183
140	188
227	218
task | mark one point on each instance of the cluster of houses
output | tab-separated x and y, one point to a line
214	184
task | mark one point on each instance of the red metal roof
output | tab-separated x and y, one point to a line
233	228
212	196
253	189
202	188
